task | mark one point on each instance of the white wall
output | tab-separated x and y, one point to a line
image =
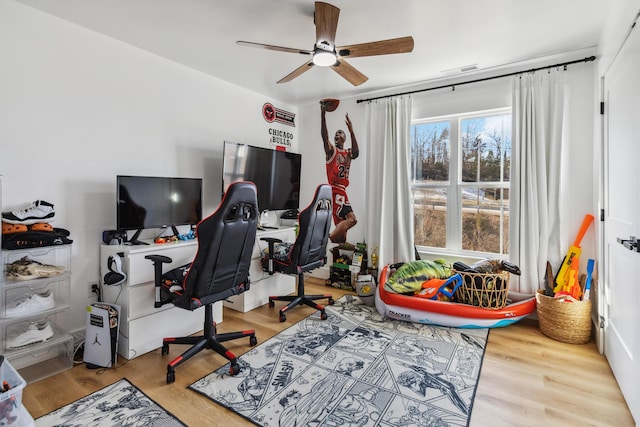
78	108
621	15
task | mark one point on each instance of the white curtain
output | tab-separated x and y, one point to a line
389	223
536	179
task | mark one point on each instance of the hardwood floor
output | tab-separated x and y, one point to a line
526	379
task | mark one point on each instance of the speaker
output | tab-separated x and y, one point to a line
115	275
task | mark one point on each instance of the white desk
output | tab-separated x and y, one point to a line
263	285
143	327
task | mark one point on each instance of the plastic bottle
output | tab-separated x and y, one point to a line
374	257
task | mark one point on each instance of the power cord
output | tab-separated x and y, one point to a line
95	289
79	347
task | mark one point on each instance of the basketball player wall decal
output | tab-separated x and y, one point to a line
338	163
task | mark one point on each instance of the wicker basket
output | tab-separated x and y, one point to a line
568	322
486	290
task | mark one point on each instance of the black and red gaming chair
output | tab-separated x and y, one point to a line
307	253
219	270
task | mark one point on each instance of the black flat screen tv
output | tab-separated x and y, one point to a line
157	202
276	174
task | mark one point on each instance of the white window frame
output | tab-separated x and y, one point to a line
454	186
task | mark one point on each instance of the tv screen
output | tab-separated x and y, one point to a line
156	202
275	173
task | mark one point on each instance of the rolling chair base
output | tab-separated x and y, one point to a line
295	300
209	340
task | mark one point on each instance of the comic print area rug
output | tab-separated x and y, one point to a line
354	369
119	404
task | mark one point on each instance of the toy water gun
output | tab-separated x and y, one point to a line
574	284
587	286
440	289
572	287
562	278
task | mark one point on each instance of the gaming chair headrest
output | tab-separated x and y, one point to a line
323	191
321	201
115	275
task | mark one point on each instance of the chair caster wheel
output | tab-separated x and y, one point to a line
253	341
165	349
331	301
323	315
171	376
282	317
271	304
234	369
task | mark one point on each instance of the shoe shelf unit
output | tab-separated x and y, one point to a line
34	311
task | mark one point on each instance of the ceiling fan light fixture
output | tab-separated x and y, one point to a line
323	58
325	53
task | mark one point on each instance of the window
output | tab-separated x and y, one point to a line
460	175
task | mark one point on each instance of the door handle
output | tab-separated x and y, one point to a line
631	243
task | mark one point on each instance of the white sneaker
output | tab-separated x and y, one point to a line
39	211
36	332
31	304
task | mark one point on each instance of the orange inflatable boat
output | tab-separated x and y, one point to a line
444	313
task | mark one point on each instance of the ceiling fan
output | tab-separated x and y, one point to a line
326	54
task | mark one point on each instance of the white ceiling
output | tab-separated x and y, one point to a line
448	34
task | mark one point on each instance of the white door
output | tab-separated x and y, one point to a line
621	266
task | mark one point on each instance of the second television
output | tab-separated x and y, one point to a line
276	174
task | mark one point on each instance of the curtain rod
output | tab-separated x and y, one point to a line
453	85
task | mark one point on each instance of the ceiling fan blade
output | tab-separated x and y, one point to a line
382	47
297	72
326	20
352	75
272	47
